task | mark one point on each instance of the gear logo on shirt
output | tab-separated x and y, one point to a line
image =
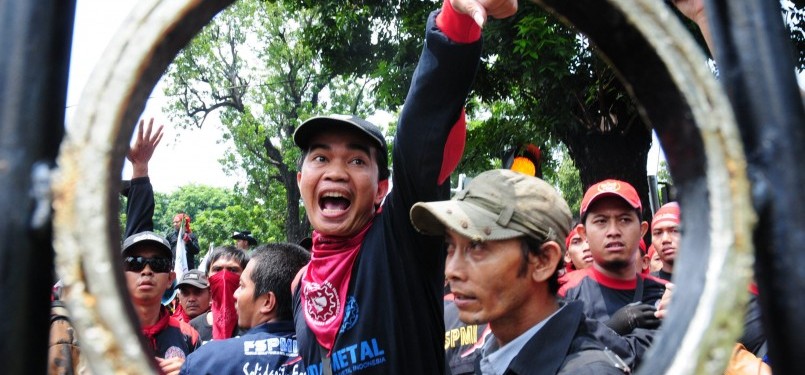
350	314
321	302
174	352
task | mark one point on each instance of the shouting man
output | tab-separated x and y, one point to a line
370	301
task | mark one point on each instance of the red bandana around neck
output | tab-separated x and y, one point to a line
151	332
325	284
180	314
222	289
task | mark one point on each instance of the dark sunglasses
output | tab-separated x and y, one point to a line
137	264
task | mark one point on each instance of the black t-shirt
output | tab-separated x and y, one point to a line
205	330
393	320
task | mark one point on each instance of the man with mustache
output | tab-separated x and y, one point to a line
194	294
612	290
504	237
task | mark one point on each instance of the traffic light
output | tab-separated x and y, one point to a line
526	159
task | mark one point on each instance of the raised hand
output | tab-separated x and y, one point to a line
479	10
143	149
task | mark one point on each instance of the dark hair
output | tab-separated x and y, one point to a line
383	171
275	266
227	252
532	246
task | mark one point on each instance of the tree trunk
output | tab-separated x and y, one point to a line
297	225
619	155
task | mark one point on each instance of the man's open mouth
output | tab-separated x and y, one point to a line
333	202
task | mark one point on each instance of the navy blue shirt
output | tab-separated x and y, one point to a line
177	339
270	348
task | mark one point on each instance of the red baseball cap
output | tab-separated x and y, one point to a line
611	188
569	237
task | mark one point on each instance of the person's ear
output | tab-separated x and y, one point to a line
546	261
268	303
643	228
171	278
582	231
382	190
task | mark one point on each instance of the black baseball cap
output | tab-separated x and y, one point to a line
316	125
194	278
148	237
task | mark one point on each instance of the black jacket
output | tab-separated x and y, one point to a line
563	346
191	247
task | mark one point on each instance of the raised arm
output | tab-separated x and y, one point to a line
431	131
140	204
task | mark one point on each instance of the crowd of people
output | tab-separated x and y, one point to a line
497	280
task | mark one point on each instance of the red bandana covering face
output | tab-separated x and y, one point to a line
222	289
151	332
325	284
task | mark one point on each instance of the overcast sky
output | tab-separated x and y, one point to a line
192	158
